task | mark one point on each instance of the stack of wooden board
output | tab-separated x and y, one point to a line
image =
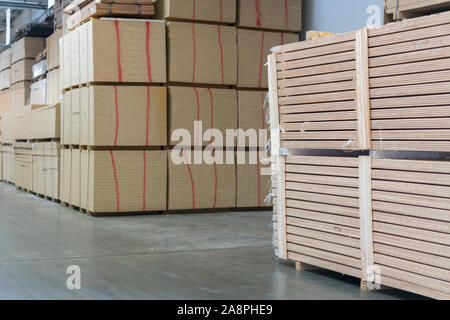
401	9
80	11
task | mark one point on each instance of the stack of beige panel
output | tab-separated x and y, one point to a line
261	25
7	154
401	9
23	166
46	169
5	69
53	94
202	75
113	132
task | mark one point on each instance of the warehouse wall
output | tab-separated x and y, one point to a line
337	16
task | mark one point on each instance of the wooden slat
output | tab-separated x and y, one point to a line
420	112
318	107
317	88
413	233
317	60
414	188
317	145
324	236
411	210
323	170
323	161
317	79
316	197
330	190
412	255
329	135
324	245
410	90
343	269
411	287
324	227
325	255
410	79
320	126
322	207
406	102
317	70
320	97
434	146
424	134
318	116
325	180
410	68
411	244
413	222
424	201
431	123
427	166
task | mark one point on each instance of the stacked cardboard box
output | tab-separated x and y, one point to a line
113	132
377	93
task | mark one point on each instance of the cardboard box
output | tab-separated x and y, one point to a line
202	53
38	92
253	185
46	162
91	53
216	105
8	162
253	49
53	94
23	166
269	14
205	10
20	94
104	181
5	79
5	101
92	116
42	122
26	48
22	70
253	114
194	186
52	46
5	59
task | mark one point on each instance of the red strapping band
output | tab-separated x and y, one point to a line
119	65
259	178
116	182
261	62
147	48
263	123
215	166
192	179
219	36
258	13
286	14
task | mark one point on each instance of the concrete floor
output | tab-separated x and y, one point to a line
185	256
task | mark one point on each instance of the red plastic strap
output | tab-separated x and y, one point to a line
119	65
258	13
219	36
259	178
116	181
286	14
144	195
147	48
215	166
261	62
117	115
263	124
192	179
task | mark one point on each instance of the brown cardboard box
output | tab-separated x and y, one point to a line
194	186
38	92
22	70
205	10
5	59
46	162
8	163
23	165
39	123
5	101
104	181
52	46
196	52
53	92
5	79
253	49
26	48
91	53
20	94
91	116
268	14
216	105
252	113
253	185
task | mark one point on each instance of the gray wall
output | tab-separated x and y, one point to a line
338	16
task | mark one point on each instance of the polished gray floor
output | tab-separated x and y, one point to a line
177	256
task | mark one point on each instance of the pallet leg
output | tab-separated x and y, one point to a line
369	286
300	266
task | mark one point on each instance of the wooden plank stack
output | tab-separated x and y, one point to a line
404	9
396	99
